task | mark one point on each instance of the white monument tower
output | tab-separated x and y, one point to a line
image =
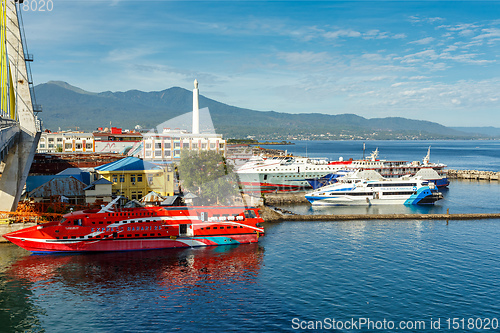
196	109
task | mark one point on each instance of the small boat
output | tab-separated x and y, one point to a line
142	228
370	188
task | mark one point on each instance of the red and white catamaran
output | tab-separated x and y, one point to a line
142	228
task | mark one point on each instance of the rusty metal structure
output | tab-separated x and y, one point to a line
50	164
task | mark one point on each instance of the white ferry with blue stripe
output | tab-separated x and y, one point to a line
370	188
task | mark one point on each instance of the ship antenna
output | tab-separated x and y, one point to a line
428	156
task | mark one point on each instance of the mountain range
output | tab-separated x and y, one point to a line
69	107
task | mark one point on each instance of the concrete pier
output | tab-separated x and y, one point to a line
6	228
269	215
473	175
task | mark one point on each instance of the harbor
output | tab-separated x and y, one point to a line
331	177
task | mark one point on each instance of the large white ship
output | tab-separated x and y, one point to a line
291	173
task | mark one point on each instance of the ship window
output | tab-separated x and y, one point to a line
82	236
100	222
57	237
93	222
136	235
97	236
250	214
208	228
129	235
144	235
215	228
222	227
120	236
109	222
151	234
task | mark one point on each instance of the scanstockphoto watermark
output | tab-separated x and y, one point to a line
357	324
36	5
460	324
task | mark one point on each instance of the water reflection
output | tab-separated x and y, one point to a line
180	265
36	288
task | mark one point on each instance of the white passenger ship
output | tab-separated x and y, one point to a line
370	188
291	173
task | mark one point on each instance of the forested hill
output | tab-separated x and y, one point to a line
69	107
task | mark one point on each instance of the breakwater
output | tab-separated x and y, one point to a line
473	175
271	215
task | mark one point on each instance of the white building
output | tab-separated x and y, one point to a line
167	146
66	142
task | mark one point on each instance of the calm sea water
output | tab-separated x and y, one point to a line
300	274
463	155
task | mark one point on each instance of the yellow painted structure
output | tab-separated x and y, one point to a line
6	87
134	184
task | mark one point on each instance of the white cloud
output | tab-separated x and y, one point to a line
490	33
341	33
304	57
423	41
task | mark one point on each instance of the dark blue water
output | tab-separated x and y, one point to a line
300	274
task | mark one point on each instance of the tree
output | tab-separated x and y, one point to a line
207	174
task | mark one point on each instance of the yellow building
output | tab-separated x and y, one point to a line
134	178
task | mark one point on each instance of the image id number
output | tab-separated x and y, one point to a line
38	5
472	323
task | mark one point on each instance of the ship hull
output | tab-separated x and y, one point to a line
32	240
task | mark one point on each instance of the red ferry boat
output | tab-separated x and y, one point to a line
142	228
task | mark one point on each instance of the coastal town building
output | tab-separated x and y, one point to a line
115	140
98	191
166	147
134	178
61	189
68	142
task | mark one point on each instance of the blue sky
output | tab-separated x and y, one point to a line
429	60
